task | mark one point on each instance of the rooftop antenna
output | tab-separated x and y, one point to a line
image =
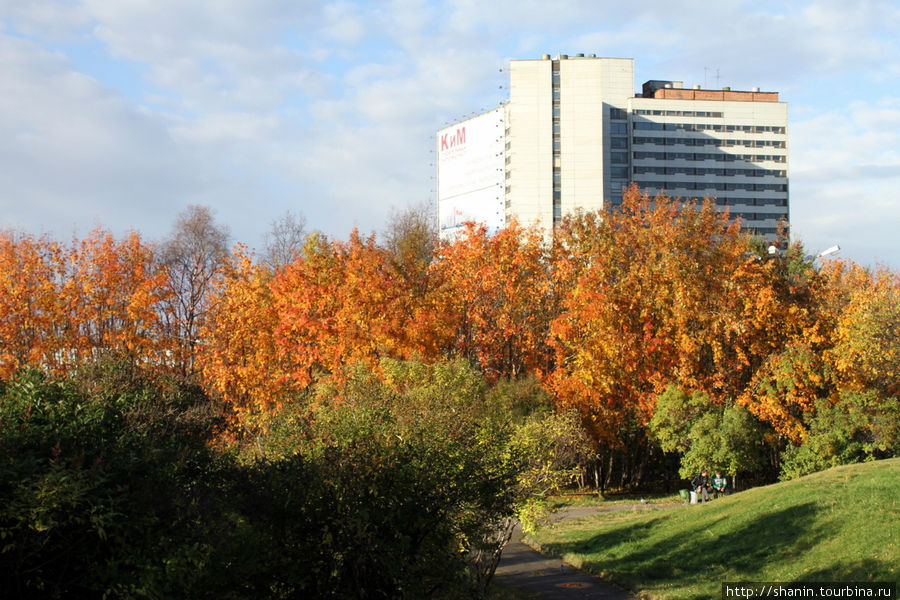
706	71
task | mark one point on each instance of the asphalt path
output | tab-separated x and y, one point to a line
545	577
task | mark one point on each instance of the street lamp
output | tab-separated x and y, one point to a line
833	250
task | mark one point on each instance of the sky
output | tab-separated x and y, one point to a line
122	113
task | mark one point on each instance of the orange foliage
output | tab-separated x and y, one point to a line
493	298
617	307
337	304
29	300
865	354
239	359
60	306
659	293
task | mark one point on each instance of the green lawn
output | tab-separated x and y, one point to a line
838	525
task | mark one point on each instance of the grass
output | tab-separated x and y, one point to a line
594	499
838	525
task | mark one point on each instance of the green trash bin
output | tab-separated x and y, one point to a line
685	495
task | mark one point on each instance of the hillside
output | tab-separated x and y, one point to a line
842	524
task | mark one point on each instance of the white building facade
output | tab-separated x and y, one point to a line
574	134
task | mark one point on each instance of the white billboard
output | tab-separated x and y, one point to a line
471	173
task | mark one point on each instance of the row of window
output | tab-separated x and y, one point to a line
719	156
655	126
701	171
744	202
756	216
678	113
682	141
763	230
717	186
739	201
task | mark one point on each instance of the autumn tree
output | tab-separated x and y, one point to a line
493	294
191	256
411	240
866	350
112	297
284	240
62	305
30	307
652	304
240	361
337	304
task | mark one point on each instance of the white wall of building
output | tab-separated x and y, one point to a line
530	141
588	88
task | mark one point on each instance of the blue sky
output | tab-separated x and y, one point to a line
121	113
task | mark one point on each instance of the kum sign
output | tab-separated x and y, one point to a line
452	140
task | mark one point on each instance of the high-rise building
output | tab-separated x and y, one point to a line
574	134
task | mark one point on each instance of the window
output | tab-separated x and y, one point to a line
617	113
619	158
619	172
618	142
618	128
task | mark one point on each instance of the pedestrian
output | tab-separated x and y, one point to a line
700	483
719	484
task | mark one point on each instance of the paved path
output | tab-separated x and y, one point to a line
543	577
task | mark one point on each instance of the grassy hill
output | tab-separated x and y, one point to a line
838	525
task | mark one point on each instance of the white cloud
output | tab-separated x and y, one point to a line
329	108
343	24
57	20
845	170
73	151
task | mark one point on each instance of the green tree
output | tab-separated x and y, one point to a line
708	436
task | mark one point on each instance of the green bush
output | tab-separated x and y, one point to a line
396	486
101	495
857	427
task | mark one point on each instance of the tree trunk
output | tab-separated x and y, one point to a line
609	470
